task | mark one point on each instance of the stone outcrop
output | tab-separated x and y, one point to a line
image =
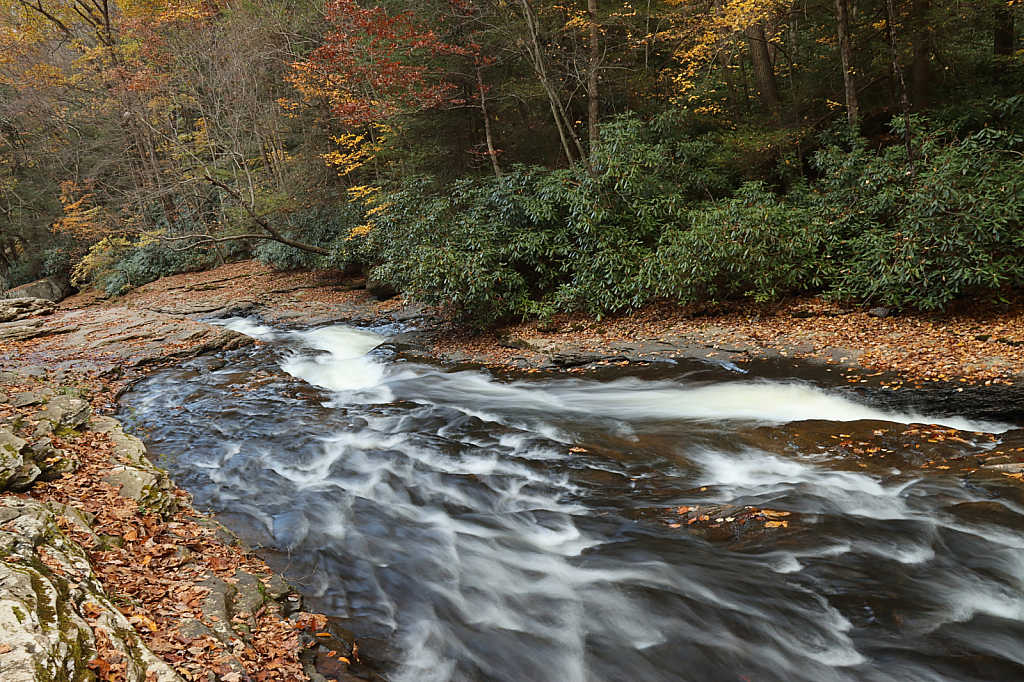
50	288
65	412
56	622
137	477
116	341
22	308
23	463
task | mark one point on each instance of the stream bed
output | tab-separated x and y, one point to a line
477	528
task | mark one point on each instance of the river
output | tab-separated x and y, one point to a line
500	528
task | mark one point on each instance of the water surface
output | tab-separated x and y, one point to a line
490	529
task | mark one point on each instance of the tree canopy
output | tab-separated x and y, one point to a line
516	157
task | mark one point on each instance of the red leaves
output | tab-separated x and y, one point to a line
372	66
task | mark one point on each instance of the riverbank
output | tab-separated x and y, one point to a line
106	571
975	341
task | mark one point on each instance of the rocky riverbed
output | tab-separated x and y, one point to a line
976	341
106	570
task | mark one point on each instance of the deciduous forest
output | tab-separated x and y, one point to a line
515	158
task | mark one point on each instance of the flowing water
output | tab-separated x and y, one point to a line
487	528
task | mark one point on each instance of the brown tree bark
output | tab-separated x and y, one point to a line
764	71
1004	36
725	50
846	56
593	103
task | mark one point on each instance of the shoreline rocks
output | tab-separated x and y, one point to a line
63	616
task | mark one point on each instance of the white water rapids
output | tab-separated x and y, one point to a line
486	529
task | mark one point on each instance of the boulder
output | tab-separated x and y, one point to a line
880	312
24	477
51	462
54	289
11	459
138	478
380	290
65	411
12	309
29	398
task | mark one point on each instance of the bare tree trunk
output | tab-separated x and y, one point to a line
593	103
537	57
921	66
491	152
743	80
846	55
725	59
764	71
898	70
725	45
1004	37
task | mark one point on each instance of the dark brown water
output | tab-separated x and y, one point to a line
494	529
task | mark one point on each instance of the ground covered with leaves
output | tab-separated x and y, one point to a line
158	565
977	340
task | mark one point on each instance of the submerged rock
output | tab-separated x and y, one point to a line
876	445
736	525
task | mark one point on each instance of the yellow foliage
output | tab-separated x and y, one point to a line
368	196
705	30
82	219
101	256
356	150
363	193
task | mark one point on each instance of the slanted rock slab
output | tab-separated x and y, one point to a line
65	411
55	618
12	309
11	460
137	477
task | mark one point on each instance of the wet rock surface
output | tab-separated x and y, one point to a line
738	526
61	617
993	462
880	446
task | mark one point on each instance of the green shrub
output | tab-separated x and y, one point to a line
950	228
538	241
752	245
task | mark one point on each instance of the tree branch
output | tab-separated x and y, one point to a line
272	234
